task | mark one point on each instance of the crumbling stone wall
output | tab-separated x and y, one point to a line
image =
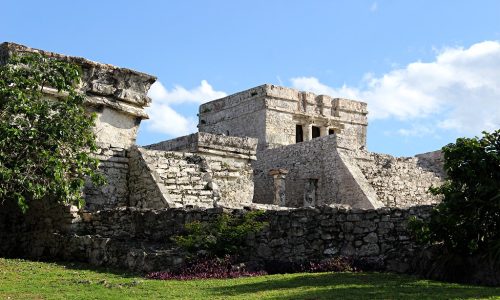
182	179
225	161
160	179
139	239
231	115
402	181
338	175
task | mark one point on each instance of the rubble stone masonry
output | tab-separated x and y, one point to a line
139	239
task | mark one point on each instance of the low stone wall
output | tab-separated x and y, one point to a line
139	239
402	181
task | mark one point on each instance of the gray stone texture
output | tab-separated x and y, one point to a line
215	172
402	181
139	239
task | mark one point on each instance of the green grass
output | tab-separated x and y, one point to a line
21	279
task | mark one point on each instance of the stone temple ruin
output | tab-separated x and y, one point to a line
276	145
300	156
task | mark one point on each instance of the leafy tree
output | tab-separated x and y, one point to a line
46	144
468	218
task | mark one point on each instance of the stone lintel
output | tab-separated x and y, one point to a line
277	172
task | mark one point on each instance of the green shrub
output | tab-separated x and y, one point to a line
467	221
226	235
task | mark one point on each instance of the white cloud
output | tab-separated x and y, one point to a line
461	87
200	94
164	119
417	130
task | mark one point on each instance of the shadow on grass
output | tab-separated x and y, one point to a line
82	266
356	286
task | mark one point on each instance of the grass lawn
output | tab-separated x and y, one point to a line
21	279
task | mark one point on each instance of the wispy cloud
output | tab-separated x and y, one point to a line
164	119
417	130
460	89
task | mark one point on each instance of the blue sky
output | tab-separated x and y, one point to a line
429	70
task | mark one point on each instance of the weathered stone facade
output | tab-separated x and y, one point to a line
317	169
279	116
219	169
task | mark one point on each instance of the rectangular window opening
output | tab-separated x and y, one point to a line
299	134
331	131
315	132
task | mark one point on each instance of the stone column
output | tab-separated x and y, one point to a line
323	130
308	135
279	176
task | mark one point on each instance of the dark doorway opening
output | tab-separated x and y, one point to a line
315	132
299	134
331	131
310	192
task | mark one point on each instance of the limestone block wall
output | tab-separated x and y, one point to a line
183	179
234	179
114	164
32	233
403	181
227	160
240	115
354	120
160	179
146	187
317	169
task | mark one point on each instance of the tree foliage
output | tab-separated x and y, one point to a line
46	144
468	218
226	235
